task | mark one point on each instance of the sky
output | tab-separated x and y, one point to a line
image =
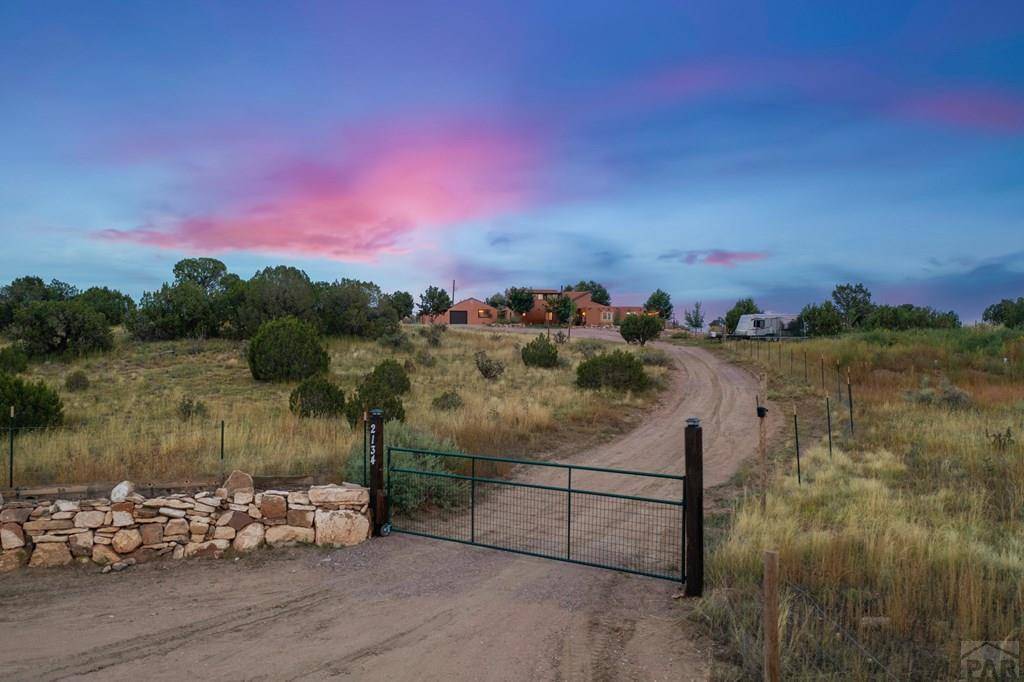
715	150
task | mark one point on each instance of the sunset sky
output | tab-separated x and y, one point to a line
712	149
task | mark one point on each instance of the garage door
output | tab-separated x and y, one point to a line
459	317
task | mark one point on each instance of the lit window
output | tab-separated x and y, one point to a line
483	312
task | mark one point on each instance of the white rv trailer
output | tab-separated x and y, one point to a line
760	325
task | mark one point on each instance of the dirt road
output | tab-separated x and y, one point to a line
398	608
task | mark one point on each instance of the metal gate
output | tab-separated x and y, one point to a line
632	521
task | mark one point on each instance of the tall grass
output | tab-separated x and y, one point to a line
126	424
905	542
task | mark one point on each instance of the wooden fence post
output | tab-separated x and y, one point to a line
378	496
772	662
694	511
762	449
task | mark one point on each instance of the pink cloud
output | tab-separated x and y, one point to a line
720	257
364	196
971	108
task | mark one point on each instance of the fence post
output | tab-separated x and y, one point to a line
772	664
365	474
849	399
472	504
222	448
378	497
828	416
10	455
796	436
694	510
762	450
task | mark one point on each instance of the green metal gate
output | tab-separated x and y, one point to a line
630	521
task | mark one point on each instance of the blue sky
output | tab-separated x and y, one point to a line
715	150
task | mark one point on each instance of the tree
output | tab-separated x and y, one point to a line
520	300
61	327
206	272
402	302
281	291
174	312
695	318
35	404
853	302
25	290
112	304
287	349
821	320
659	302
1007	312
908	316
598	293
497	300
562	308
641	328
744	306
351	307
434	301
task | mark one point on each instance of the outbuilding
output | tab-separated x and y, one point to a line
469	311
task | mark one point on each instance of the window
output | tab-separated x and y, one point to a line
758	324
483	312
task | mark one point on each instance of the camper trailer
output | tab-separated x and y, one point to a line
764	325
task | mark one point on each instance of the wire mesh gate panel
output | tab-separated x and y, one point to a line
586	515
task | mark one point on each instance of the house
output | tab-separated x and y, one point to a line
760	325
589	313
469	311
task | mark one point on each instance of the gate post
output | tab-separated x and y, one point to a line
694	511
378	497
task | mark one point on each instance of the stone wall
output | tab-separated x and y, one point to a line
128	528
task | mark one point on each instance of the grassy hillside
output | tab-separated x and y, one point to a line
910	537
127	423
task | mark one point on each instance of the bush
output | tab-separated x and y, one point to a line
540	353
13	359
410	493
433	334
286	349
944	395
35	404
588	348
111	304
619	370
489	368
391	376
189	408
382	388
396	341
447	401
425	359
561	337
654	357
61	328
76	381
641	328
317	397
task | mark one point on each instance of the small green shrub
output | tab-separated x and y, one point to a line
489	368
561	337
392	377
398	341
425	359
410	493
433	333
317	397
189	408
654	357
13	359
76	381
35	404
618	370
640	329
447	401
286	349
588	348
382	388
540	353
944	395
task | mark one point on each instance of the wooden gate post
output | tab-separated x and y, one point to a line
378	496
694	512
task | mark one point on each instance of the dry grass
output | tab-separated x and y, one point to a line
920	520
126	425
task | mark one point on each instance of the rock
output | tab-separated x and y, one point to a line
49	538
198	527
81	544
224	533
179	552
151	533
235	519
49	555
176	527
121	491
15	515
237	480
89	519
122	519
298	497
243	497
286	536
203	508
65	506
42	525
126	540
339	494
249	538
123	506
342	528
274	507
254	511
173	513
100	539
152	519
11	536
63	515
210	548
13	559
300	518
